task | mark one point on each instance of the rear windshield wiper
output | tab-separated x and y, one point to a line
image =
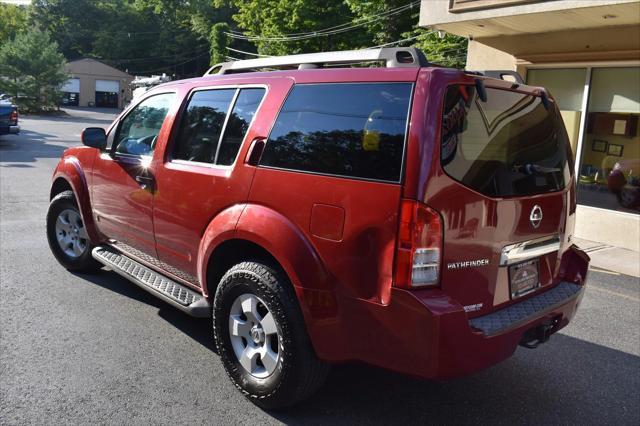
532	169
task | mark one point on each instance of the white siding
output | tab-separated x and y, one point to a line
108	86
72	86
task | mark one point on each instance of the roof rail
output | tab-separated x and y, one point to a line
393	57
500	75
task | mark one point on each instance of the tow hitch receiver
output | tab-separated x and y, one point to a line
534	337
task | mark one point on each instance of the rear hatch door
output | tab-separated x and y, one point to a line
502	190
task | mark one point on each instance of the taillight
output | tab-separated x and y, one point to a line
14	116
419	246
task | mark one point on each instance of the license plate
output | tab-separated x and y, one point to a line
524	277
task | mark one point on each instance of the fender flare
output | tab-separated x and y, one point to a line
220	229
287	244
274	233
71	171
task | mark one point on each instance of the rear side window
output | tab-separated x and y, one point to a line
352	130
202	125
241	116
208	133
510	145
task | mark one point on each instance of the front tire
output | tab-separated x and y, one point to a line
67	235
261	339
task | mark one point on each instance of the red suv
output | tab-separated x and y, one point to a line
408	216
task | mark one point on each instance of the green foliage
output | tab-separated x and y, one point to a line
266	22
219	41
449	50
13	20
33	70
183	37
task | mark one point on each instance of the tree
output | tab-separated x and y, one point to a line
13	19
278	27
33	69
388	21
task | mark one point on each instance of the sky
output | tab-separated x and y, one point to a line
16	1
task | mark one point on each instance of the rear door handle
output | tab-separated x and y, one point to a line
255	151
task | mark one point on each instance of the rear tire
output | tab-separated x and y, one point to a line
67	235
284	368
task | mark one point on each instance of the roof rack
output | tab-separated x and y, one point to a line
500	75
393	57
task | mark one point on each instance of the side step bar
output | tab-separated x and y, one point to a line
155	283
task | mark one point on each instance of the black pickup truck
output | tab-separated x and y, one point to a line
8	118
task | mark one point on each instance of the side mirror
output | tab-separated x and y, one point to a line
95	137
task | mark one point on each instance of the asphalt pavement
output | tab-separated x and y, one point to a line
95	349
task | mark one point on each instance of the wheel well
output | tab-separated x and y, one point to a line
59	185
231	253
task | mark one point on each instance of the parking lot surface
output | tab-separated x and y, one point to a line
96	349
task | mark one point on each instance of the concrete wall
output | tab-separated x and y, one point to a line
436	12
608	227
482	57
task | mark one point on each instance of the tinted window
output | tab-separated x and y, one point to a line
353	130
243	111
509	145
139	130
202	125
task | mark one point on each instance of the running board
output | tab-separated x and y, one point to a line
175	294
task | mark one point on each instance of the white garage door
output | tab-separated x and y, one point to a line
107	86
72	86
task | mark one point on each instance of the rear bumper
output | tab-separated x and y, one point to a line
429	335
9	130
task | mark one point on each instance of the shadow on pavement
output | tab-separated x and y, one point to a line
27	147
199	329
549	385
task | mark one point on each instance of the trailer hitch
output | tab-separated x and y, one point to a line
534	337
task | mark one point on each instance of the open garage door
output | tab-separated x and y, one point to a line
71	92
107	93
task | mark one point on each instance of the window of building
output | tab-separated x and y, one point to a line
353	130
567	87
610	165
138	131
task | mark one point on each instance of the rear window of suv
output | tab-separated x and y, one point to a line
510	145
342	129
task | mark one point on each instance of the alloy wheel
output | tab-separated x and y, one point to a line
254	335
71	233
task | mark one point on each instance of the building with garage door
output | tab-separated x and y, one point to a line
94	84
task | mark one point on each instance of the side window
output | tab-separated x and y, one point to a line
202	125
206	134
243	111
354	130
139	130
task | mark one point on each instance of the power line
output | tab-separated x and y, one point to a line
248	53
346	24
397	41
152	58
172	65
326	31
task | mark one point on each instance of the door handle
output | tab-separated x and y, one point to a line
146	182
255	151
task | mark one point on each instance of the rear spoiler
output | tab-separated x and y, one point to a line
500	75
